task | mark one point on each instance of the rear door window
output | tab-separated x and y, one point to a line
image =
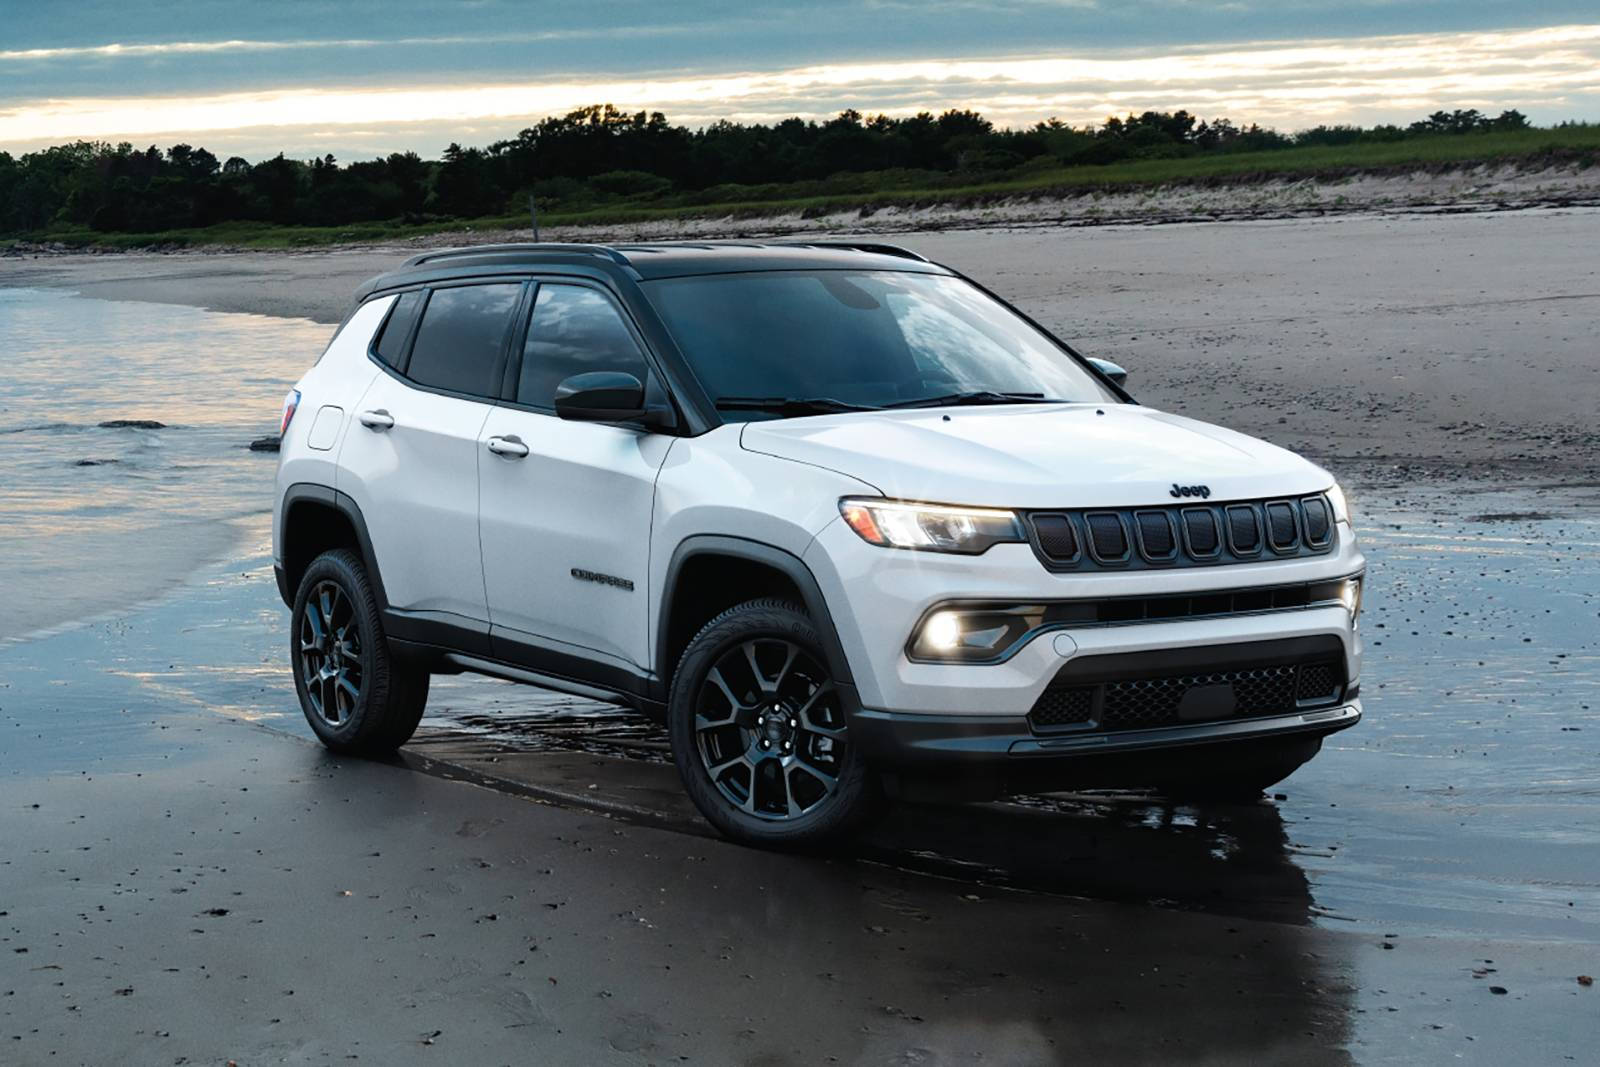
574	330
391	344
462	334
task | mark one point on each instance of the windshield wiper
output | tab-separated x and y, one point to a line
980	396
789	405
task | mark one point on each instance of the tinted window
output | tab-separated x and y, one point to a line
458	344
869	337
573	330
392	342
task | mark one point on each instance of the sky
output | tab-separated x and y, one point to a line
358	78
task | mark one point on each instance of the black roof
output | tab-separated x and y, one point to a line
659	260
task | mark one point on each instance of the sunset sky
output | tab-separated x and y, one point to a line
359	77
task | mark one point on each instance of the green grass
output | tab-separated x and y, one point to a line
1573	144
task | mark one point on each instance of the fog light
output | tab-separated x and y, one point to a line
943	631
973	635
1350	595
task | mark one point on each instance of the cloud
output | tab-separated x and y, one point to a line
244	47
1281	84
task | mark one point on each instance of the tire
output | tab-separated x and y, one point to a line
759	735
1244	782
356	696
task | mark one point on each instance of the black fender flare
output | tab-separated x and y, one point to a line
787	563
327	496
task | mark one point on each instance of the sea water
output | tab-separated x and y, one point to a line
94	515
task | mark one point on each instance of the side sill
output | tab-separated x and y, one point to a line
445	660
543	681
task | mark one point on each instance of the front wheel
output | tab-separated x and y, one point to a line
759	732
357	698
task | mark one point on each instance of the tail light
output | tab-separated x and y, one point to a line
291	402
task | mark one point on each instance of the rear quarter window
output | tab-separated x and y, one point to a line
396	330
460	339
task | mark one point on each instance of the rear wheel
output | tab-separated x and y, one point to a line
356	696
759	732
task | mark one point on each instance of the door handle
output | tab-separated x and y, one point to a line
510	446
377	421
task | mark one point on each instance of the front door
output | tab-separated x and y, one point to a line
565	525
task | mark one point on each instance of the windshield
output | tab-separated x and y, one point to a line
859	339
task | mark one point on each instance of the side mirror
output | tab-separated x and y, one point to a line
1110	370
608	396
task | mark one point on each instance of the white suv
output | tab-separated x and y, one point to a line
849	523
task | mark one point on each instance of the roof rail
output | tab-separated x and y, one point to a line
493	249
871	246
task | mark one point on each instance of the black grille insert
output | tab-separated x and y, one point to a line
1158	542
1315	511
1108	538
1191	535
1283	533
1200	527
1244	531
1058	539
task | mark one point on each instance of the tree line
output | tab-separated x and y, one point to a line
599	156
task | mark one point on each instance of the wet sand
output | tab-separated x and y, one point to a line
1390	348
520	891
182	883
247	897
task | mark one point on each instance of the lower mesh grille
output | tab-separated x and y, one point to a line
1064	706
1197	696
1319	681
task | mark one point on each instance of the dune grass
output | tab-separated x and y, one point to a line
1577	145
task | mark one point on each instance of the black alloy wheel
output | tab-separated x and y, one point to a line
330	654
760	730
357	696
768	729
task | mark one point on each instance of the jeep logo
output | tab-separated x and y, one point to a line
1201	491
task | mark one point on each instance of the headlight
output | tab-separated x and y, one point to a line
974	634
897	524
1341	507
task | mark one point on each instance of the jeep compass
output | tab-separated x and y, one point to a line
847	522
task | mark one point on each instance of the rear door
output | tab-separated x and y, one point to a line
565	528
410	460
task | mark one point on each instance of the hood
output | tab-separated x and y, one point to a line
1038	456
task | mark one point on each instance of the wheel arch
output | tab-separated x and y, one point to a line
743	570
317	518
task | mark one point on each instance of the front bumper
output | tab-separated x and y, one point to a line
982	729
974	757
877	596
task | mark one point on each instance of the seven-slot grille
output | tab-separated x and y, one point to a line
1170	700
1186	535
